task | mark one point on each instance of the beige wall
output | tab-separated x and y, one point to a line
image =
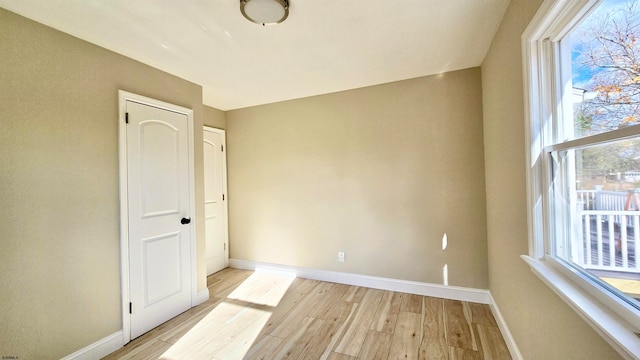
59	222
543	326
380	173
214	117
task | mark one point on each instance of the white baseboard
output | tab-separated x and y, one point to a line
410	287
506	334
99	349
201	296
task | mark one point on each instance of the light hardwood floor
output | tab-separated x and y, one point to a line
254	315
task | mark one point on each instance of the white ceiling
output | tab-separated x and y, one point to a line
324	46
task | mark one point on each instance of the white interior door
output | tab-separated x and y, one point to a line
159	230
214	200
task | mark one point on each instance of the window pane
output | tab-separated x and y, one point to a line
597	213
605	69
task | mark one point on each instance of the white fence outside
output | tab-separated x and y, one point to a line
587	198
610	230
608	244
602	199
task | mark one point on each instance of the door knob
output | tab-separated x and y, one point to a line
185	221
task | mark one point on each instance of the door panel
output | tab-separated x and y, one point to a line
161	263
159	157
158	199
214	205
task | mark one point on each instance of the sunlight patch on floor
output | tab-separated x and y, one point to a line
230	329
263	288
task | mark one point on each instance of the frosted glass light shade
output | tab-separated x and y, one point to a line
265	12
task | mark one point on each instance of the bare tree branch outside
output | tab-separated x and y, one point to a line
608	49
606	68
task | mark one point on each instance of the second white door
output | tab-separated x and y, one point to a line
215	174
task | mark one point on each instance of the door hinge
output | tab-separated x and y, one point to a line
222	147
222	197
126	118
130	308
224	247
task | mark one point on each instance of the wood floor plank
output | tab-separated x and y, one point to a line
458	325
224	275
228	273
328	300
433	345
354	294
154	351
297	313
332	328
355	334
290	299
456	353
211	281
481	314
492	343
231	282
352	307
387	313
293	346
141	350
406	337
411	303
263	349
337	356
376	346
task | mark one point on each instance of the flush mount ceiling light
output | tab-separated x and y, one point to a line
265	12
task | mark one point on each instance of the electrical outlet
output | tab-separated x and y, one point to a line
340	256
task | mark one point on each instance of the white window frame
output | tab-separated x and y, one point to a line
614	319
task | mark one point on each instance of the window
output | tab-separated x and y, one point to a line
582	94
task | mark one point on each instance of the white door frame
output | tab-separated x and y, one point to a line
123	97
225	202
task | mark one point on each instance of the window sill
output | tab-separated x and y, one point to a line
613	328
